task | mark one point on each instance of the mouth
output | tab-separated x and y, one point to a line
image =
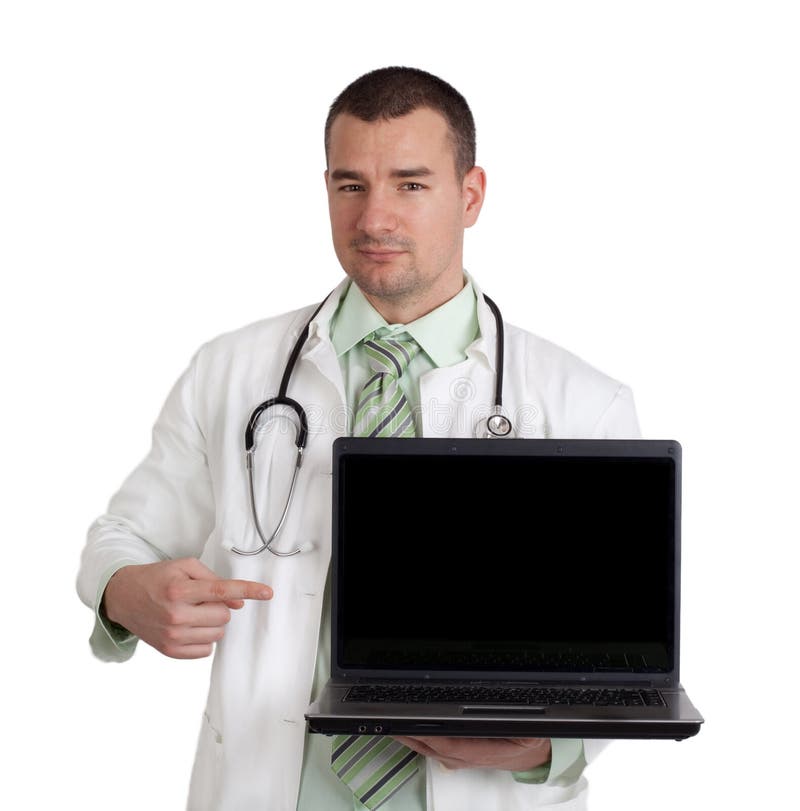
379	256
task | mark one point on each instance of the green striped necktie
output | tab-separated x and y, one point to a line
375	767
382	408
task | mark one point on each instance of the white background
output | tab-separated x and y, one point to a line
161	182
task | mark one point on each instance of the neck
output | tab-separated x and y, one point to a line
407	306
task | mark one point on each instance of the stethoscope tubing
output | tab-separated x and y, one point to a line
497	425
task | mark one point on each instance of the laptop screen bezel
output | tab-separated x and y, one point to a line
618	448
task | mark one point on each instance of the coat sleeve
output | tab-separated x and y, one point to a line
163	510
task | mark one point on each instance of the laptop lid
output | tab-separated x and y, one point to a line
524	559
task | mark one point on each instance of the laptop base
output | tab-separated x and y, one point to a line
678	720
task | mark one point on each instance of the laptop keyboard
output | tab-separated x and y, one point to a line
523	696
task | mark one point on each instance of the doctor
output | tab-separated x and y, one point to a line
160	565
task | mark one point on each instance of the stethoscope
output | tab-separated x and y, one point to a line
495	426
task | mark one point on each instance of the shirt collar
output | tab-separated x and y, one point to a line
443	333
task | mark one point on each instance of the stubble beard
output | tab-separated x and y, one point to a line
397	281
400	283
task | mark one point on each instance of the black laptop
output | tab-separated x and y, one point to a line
506	588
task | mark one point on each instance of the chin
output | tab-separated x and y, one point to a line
385	280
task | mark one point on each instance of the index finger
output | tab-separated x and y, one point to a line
467	748
210	591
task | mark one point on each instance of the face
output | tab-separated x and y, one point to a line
398	211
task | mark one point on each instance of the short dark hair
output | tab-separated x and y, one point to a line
397	91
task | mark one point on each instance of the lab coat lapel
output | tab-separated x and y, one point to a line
456	399
318	354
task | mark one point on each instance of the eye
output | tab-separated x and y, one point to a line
351	187
412	186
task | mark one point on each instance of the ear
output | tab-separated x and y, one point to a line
473	191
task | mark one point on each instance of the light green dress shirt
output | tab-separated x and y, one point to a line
443	335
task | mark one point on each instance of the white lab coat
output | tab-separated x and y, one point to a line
189	497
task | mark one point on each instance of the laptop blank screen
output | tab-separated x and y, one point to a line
506	563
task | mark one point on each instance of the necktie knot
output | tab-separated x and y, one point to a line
390	355
382	408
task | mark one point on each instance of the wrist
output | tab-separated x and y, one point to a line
109	604
536	772
540	757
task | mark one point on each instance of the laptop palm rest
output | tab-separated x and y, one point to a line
483	709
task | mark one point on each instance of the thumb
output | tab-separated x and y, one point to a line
196	570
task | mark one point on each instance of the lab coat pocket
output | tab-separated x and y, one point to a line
207	769
217	553
274	466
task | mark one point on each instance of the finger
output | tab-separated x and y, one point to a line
209	591
440	744
207	615
417	745
527	743
423	749
483	751
187	651
187	636
195	569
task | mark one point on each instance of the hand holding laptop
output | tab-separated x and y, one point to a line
508	754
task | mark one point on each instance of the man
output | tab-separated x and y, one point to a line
402	186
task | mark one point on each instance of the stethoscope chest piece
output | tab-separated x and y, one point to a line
498	425
495	426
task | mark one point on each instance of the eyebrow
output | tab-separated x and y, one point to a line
352	174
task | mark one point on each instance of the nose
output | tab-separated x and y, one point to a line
377	215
